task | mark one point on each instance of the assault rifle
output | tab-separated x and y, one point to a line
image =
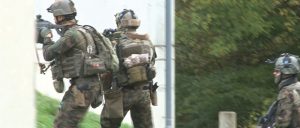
109	32
268	120
41	23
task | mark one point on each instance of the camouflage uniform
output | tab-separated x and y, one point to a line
84	89
135	97
75	102
138	102
288	107
288	110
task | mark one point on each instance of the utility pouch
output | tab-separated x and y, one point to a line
56	71
79	98
93	66
153	96
71	66
137	74
59	85
113	107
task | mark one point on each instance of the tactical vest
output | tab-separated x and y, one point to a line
69	65
135	53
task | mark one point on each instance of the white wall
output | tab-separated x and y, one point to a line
17	64
100	14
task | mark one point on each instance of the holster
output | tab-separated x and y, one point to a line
113	107
153	96
153	93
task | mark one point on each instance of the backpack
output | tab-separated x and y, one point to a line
100	56
135	53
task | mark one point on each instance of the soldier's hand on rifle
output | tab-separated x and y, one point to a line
46	33
108	32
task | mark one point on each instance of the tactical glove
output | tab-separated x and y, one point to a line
46	32
42	34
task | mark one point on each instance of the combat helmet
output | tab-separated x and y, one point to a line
127	19
287	64
62	7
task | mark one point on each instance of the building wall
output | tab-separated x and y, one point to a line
17	64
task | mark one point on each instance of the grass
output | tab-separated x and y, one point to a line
47	108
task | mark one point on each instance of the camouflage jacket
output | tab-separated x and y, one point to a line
65	45
288	110
66	51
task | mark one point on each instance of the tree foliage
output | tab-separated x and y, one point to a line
221	46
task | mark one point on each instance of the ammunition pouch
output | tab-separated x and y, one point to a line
92	66
59	85
56	71
71	66
137	74
113	107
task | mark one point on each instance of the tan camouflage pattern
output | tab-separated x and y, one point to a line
288	110
137	101
76	102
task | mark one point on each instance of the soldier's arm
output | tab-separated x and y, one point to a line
53	49
284	109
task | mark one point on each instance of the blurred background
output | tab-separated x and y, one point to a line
221	46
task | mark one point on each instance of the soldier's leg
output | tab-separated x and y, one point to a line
141	111
72	110
108	122
111	122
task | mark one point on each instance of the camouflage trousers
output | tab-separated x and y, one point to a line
138	102
76	101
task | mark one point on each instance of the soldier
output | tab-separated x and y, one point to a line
288	107
68	52
133	81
